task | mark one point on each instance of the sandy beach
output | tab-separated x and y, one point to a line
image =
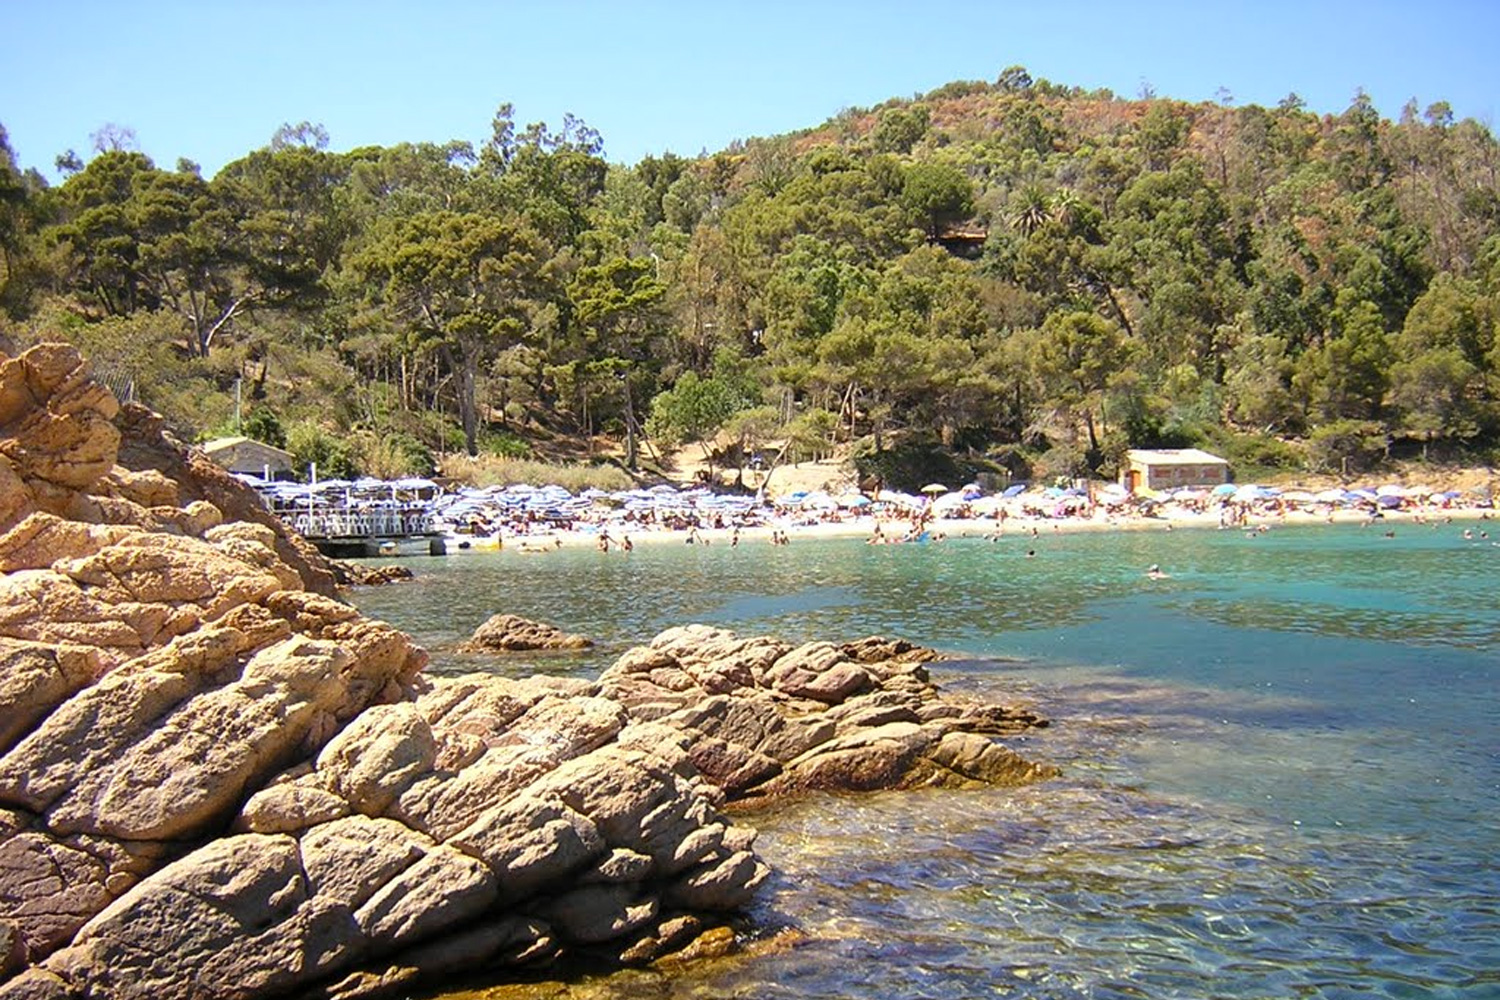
1018	525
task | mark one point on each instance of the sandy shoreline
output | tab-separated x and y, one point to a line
1018	526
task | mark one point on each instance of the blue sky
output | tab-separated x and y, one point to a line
211	80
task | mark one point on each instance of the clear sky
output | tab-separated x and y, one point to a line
210	80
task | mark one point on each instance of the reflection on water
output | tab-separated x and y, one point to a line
1281	765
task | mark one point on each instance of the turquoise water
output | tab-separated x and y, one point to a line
1281	764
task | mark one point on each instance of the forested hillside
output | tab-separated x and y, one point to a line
1018	272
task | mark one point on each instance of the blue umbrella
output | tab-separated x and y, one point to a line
1014	491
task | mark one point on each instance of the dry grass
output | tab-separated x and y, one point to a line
490	470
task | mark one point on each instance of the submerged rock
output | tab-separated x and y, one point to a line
215	780
504	633
350	572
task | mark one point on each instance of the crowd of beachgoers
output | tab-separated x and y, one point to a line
543	518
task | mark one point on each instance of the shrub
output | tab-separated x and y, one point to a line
1346	446
908	465
262	425
504	444
393	455
1252	454
334	456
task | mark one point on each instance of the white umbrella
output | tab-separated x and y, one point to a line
901	499
934	488
949	501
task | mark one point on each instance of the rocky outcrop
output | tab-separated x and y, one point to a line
766	719
157	468
217	781
504	633
355	573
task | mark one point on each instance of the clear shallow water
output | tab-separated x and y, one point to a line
1282	764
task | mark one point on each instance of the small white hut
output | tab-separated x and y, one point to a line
1172	468
249	456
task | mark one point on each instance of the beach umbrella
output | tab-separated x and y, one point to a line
900	499
1391	490
854	500
949	501
1013	491
1299	496
1388	501
934	488
1225	489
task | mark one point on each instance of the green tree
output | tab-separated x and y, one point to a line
1077	355
899	129
464	280
617	303
1347	376
938	195
694	411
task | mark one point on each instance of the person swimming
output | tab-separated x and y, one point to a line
1154	572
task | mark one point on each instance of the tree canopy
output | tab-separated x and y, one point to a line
1014	267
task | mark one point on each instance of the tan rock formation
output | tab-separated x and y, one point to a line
766	720
505	633
169	675
216	780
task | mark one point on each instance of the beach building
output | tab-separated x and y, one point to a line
246	455
1171	468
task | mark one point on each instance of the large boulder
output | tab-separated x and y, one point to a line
504	633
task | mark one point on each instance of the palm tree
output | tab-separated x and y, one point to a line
1065	207
1032	208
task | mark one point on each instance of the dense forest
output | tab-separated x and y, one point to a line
1014	272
